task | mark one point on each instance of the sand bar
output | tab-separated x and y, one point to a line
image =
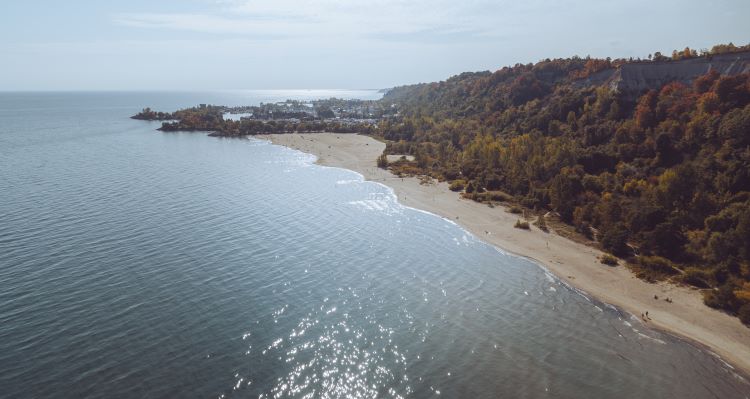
574	263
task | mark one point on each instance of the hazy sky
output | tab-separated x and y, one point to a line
243	44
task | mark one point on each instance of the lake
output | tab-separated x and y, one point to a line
135	263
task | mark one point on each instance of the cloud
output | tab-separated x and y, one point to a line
444	35
387	20
261	28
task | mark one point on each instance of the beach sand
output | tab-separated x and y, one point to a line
576	264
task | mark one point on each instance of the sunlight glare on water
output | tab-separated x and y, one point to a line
142	264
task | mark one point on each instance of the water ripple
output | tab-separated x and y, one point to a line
142	264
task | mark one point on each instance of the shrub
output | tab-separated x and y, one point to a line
608	259
383	161
653	268
452	174
695	277
722	298
542	224
743	294
529	202
744	313
515	209
615	240
497	196
657	264
521	225
457	185
486	196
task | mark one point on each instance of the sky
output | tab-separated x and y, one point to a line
316	44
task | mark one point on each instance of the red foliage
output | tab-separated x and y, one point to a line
703	83
644	111
675	100
733	90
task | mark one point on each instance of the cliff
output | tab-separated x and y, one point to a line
633	79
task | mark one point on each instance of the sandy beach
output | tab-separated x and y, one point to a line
576	264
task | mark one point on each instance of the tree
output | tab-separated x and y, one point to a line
735	126
383	161
703	83
659	57
525	88
615	240
744	313
733	90
644	111
723	298
563	192
666	240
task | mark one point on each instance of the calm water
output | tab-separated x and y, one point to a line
140	264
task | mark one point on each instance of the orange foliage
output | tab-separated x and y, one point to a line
591	67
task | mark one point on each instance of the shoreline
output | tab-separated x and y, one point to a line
575	264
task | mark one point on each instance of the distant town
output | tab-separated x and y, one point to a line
331	114
296	111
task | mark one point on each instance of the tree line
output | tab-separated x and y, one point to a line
663	181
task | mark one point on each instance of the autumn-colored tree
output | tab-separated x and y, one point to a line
644	111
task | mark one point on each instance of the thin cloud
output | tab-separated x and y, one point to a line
203	23
386	20
438	36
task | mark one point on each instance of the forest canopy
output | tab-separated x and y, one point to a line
659	177
662	178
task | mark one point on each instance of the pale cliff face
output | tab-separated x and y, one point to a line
634	79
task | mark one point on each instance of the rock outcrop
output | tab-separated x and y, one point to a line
632	79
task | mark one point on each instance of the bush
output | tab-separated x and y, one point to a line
657	264
452	174
653	268
383	161
515	209
722	298
497	196
486	196
542	224
666	240
744	313
530	203
607	259
615	240
696	278
521	225
457	185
